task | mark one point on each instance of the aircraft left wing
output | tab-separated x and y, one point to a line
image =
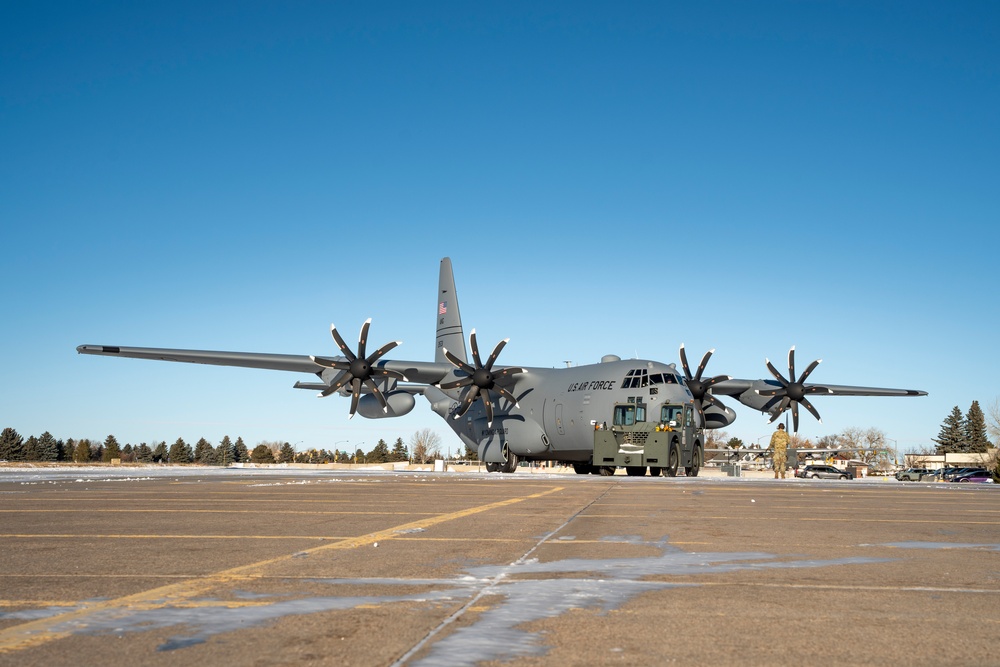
414	371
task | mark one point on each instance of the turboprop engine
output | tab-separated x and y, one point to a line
397	403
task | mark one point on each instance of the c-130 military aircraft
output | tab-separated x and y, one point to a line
510	413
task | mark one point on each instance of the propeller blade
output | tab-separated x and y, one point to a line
464	382
363	338
507	372
468	398
795	416
791	363
684	362
458	363
385	372
488	404
355	395
506	394
809	406
338	382
495	353
475	349
378	394
704	362
770	392
377	354
809	369
774	371
341	344
330	363
717	379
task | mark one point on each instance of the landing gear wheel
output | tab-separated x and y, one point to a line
695	467
635	471
655	472
673	460
607	471
510	465
492	467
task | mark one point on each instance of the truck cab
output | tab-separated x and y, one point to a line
670	441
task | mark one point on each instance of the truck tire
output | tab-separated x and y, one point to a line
655	471
673	460
695	467
607	471
635	471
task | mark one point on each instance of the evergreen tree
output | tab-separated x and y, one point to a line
82	452
143	453
11	445
111	450
240	452
204	452
30	452
261	454
97	453
225	452
128	453
287	454
180	452
952	433
471	453
975	430
69	450
359	456
160	452
48	448
379	453
399	452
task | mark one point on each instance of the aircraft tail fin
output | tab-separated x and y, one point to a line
449	320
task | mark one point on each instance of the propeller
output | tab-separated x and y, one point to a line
699	388
358	369
792	392
480	380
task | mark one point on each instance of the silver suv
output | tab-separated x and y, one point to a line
912	474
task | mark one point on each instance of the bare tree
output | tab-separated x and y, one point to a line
993	422
715	438
425	445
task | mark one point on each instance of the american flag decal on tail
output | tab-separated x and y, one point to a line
442	308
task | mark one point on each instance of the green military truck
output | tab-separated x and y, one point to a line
663	446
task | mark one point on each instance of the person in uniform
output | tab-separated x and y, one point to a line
779	445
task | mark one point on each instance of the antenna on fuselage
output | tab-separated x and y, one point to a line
569	364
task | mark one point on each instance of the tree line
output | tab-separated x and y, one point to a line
966	434
424	447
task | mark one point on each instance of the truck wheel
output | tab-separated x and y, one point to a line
695	462
582	468
607	471
655	472
635	471
673	460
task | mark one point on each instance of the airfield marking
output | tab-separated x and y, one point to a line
38	632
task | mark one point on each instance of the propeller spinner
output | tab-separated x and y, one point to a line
480	380
792	392
699	388
358	369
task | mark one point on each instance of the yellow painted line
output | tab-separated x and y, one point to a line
208	511
35	633
170	537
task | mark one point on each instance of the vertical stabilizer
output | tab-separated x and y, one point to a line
449	320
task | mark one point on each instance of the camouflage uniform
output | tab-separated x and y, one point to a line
779	443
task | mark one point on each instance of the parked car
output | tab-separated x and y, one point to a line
980	475
823	472
952	473
912	474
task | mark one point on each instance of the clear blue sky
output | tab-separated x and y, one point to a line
607	178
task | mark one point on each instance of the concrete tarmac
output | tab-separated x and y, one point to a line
274	567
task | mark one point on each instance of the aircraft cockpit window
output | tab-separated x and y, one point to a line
624	415
656	378
670	378
635	378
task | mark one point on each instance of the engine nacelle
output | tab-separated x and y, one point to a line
399	403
